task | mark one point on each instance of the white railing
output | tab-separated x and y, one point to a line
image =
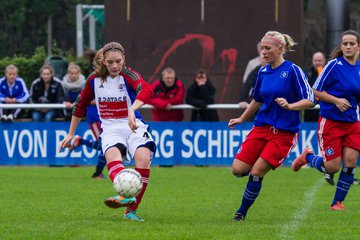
146	106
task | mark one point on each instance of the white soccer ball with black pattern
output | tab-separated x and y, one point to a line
128	183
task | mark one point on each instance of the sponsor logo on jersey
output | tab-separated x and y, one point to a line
339	63
112	99
101	86
284	74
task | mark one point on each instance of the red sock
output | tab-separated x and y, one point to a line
145	174
114	167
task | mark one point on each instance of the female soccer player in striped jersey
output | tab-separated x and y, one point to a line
338	89
119	92
280	91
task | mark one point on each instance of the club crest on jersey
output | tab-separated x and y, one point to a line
329	151
121	87
284	74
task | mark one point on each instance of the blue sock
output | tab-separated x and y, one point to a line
251	192
345	180
101	163
90	143
316	162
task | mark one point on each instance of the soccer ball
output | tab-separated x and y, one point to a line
128	183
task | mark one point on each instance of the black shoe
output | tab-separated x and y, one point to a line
98	176
356	181
329	177
239	217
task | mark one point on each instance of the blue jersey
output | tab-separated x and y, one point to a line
286	81
342	80
18	90
92	114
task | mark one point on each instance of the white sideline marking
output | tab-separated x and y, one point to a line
289	229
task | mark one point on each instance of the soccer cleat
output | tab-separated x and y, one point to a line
98	176
356	181
338	206
131	215
75	143
329	177
239	217
300	161
119	201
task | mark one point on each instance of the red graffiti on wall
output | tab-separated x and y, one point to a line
207	44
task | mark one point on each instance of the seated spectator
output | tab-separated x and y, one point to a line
73	82
12	90
200	94
168	91
46	89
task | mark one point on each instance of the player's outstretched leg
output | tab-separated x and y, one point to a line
300	161
117	201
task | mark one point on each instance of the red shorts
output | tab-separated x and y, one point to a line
334	135
266	142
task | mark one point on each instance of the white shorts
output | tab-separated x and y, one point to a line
121	133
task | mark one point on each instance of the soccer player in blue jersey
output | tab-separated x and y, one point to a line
338	89
280	91
92	117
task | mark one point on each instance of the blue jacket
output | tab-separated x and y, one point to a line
18	90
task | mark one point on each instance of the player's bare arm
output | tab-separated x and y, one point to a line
341	103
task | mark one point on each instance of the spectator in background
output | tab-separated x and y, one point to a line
318	62
12	90
73	82
247	87
168	91
200	94
46	89
253	63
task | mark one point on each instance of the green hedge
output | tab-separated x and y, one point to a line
29	67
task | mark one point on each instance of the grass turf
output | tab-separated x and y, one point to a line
180	203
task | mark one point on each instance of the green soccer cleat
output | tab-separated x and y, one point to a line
119	201
131	215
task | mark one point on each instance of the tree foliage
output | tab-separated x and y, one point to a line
23	25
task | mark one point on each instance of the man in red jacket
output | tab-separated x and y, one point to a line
168	91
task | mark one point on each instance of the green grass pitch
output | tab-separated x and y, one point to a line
180	203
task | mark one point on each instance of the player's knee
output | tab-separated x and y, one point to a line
240	173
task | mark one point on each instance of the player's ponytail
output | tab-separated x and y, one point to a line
281	39
289	43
